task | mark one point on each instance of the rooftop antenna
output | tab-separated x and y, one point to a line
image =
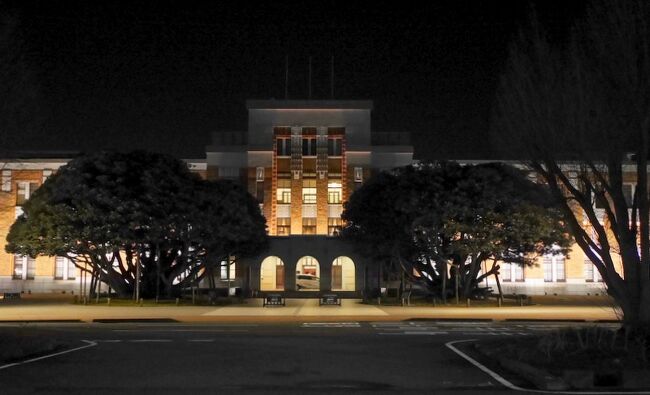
332	77
286	78
309	95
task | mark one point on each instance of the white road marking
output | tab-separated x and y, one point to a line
150	341
512	386
89	344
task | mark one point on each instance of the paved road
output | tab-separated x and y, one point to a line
311	357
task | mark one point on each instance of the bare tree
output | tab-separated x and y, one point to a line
579	115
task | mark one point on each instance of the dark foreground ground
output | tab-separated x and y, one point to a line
321	358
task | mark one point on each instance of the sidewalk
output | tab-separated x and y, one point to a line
302	310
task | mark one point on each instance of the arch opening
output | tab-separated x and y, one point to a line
343	274
272	274
307	274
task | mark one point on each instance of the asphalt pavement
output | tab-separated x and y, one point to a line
378	357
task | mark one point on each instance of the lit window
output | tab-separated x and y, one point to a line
590	272
334	192
283	191
259	174
309	191
227	271
284	226
334	226
59	267
24	267
6	180
554	268
309	226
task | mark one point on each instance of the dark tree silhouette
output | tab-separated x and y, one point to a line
579	115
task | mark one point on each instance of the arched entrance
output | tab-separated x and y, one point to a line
272	274
307	274
343	274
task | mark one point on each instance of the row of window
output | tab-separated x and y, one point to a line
308	226
309	146
6	182
554	270
25	268
334	191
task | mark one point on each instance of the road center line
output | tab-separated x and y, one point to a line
89	344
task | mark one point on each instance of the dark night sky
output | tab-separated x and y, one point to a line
163	75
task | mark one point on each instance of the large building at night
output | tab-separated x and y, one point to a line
302	159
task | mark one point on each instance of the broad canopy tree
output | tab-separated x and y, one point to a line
579	115
127	215
433	220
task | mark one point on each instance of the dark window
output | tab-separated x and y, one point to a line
334	147
283	147
260	192
308	147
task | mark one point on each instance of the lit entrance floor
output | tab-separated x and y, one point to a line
299	307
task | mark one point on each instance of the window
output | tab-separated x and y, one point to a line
554	268
259	193
309	226
548	269
46	174
334	147
283	191
284	226
560	273
283	146
334	226
334	192
308	147
358	174
229	172
24	267
6	181
259	174
72	269
518	272
309	191
590	272
227	271
506	272
59	267
25	190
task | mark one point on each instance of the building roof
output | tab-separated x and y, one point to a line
309	104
